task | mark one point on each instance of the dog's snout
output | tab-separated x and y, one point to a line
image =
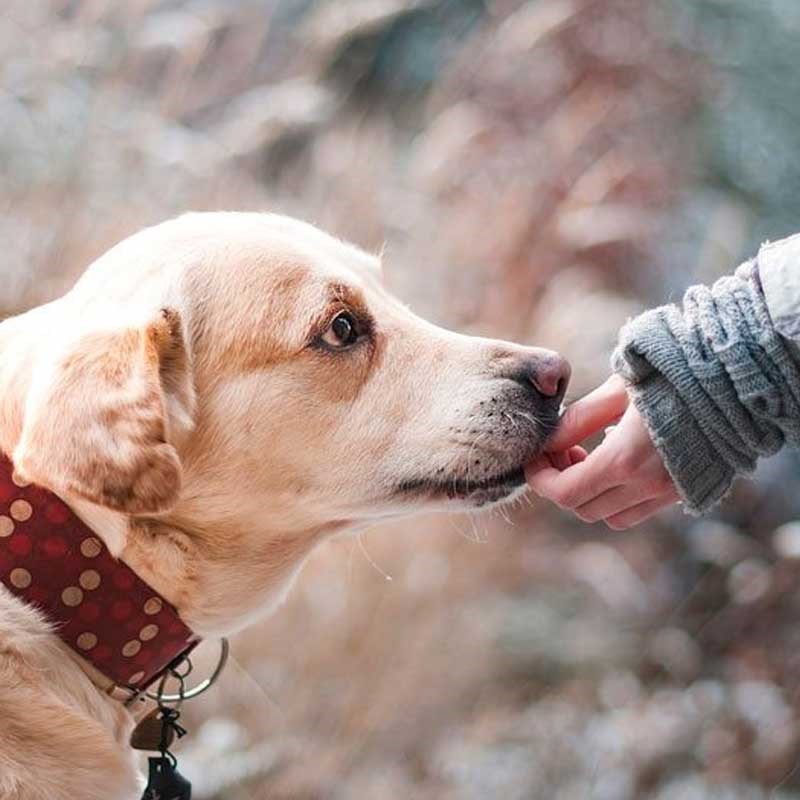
550	375
544	371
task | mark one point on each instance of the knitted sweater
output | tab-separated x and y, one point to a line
717	381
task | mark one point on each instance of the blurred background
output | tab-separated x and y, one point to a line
535	170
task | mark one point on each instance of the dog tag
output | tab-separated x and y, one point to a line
148	733
164	782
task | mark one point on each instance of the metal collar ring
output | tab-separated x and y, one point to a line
195	691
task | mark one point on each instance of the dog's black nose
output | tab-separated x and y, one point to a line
550	375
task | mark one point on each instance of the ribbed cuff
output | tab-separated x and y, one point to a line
701	477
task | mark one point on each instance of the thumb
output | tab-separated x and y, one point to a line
598	409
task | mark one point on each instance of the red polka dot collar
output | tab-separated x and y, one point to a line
98	605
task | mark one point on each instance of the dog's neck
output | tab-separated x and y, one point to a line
216	592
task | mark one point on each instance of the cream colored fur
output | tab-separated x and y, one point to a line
232	442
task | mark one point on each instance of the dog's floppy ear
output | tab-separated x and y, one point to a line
102	421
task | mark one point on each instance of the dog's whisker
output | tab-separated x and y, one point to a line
371	560
525	499
481	521
503	513
533	421
469	456
478	537
463	534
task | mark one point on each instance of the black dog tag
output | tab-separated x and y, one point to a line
165	783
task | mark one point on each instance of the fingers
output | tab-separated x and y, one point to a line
577	454
566	458
560	460
633	516
598	409
622	482
577	484
622	498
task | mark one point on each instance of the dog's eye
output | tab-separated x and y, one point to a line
342	332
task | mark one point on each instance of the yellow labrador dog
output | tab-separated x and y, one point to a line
213	398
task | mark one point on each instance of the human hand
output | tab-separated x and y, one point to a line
623	481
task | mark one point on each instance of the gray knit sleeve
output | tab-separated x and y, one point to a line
714	382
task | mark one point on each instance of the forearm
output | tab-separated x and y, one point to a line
716	384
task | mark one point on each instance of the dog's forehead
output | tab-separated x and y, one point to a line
325	251
336	263
279	253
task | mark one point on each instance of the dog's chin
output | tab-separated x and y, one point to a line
465	492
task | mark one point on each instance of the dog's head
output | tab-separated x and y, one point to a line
246	367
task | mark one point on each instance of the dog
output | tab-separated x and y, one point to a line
216	396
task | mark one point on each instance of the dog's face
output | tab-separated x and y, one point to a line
320	395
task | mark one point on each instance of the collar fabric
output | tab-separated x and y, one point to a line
98	605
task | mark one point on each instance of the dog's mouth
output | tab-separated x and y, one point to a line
490	467
477	491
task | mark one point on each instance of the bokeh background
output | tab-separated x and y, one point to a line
535	170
